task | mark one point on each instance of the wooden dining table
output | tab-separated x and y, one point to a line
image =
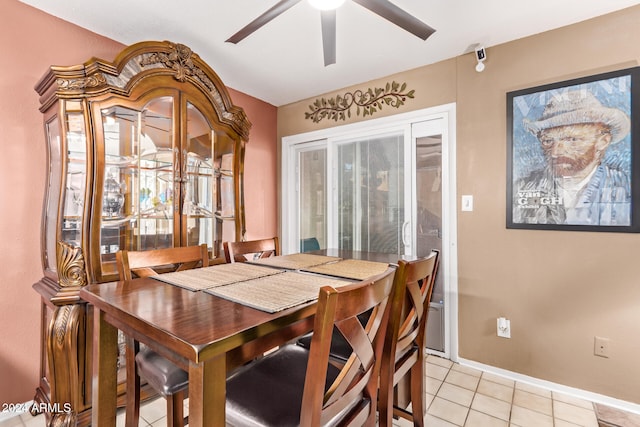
206	335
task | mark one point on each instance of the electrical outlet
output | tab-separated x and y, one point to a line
504	327
601	347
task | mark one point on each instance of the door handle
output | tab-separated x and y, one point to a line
404	232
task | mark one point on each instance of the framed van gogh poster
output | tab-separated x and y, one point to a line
573	156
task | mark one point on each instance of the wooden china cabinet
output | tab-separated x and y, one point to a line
144	152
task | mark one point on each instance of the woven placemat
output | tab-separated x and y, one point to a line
276	293
351	269
295	261
216	275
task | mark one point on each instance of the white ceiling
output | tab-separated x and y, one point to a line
282	62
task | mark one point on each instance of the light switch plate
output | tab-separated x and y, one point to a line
467	203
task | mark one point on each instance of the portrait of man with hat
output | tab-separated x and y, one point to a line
574	182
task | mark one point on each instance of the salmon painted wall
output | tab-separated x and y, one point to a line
260	163
31	42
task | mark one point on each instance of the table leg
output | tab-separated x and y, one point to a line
105	382
207	392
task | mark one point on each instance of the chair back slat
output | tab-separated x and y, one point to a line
420	278
132	264
255	249
309	244
405	335
352	395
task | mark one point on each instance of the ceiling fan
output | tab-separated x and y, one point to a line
383	8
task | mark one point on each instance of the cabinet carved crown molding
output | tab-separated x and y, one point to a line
97	76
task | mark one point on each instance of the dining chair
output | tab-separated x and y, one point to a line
162	375
309	244
262	248
403	354
294	386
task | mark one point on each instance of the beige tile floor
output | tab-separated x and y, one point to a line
464	397
457	396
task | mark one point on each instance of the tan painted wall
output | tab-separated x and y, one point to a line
560	289
32	41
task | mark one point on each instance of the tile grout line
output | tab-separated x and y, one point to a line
475	392
553	400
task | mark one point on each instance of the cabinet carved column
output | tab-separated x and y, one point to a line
67	326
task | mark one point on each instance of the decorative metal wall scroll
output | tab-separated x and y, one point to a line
366	102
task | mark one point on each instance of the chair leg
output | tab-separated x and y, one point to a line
417	392
385	403
132	415
175	410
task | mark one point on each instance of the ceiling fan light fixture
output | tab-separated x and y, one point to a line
326	4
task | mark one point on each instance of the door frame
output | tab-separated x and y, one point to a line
449	266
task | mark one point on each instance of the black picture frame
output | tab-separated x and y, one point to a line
572	154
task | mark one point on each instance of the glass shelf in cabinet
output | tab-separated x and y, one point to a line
206	173
218	215
121	161
155	217
114	222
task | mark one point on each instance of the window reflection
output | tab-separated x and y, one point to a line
371	194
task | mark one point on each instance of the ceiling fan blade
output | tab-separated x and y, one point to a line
328	18
393	13
279	8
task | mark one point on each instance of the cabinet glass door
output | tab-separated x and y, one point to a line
138	186
226	205
52	128
199	186
68	158
76	178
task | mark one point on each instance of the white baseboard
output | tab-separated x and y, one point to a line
574	392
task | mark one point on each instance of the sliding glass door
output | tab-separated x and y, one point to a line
312	193
370	190
427	218
376	193
385	189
